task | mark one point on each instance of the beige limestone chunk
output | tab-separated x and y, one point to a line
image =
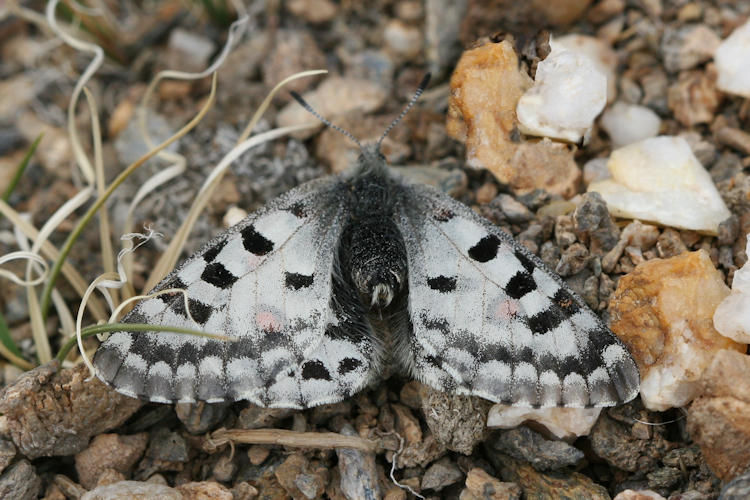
663	312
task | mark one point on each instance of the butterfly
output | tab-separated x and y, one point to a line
336	283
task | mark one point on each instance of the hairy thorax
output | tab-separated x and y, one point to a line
372	243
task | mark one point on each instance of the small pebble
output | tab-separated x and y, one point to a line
688	46
441	474
402	39
201	417
694	98
628	123
530	446
359	474
20	481
737	489
515	211
109	451
188	50
482	485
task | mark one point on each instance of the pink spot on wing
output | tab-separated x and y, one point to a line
506	309
253	261
268	321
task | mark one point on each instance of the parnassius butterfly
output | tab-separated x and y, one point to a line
302	282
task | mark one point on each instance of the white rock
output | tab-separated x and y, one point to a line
731	59
568	94
564	423
660	180
599	51
732	316
628	123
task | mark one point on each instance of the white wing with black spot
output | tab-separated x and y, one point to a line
489	319
271	282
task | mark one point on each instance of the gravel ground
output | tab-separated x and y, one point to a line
64	436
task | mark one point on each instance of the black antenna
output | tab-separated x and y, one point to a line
420	89
310	109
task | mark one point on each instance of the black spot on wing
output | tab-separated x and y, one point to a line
199	311
566	302
439	324
315	370
485	249
216	274
188	352
443	284
546	320
295	281
347	365
298	209
494	352
254	242
520	284
160	352
143	346
210	254
175	282
525	261
435	361
444	215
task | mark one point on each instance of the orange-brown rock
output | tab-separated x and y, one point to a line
663	312
485	88
719	420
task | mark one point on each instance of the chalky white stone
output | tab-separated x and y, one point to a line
628	123
731	60
569	92
564	423
660	180
599	51
732	316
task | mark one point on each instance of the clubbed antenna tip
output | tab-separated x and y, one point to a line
412	102
317	115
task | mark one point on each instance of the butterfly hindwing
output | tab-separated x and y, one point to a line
271	283
489	319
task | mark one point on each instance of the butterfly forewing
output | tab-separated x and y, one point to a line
270	283
489	319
